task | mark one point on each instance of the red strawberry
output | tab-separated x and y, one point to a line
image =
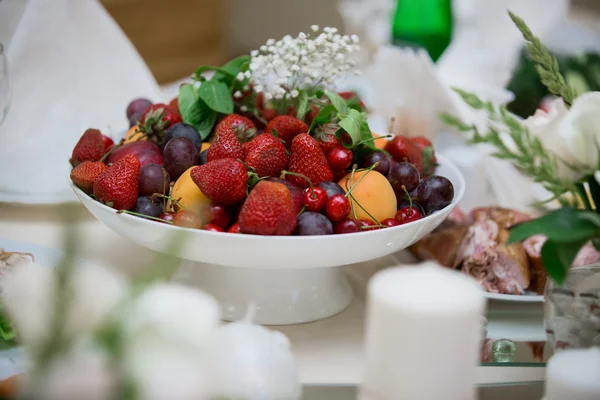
108	143
174	103
352	96
85	174
308	159
266	155
325	135
223	181
286	128
159	117
225	145
268	210
117	186
242	127
428	159
90	147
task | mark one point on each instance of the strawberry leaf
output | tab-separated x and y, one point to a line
195	112
366	137
325	115
217	96
351	123
338	102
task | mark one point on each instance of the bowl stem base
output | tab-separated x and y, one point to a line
280	297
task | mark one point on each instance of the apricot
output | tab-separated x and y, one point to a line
134	134
189	193
379	143
374	194
205	145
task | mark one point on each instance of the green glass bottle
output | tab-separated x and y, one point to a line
423	23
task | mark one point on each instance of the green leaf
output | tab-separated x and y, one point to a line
366	137
338	102
558	257
228	71
302	108
563	225
325	115
351	123
217	96
195	112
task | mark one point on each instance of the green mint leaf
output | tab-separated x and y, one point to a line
325	115
563	225
558	257
302	108
338	102
217	96
195	112
351	123
366	137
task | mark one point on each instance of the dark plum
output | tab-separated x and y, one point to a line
135	118
332	188
313	223
154	178
377	157
183	130
203	157
295	191
403	176
148	206
179	155
434	193
137	106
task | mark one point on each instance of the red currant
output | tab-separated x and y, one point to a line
338	208
315	199
168	216
368	225
339	158
389	222
235	228
213	228
408	214
348	226
216	214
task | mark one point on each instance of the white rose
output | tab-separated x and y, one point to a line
252	362
29	291
581	131
547	127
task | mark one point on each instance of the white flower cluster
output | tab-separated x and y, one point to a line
315	60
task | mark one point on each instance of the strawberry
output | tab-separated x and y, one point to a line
174	103
325	135
90	147
158	117
223	181
242	127
308	159
266	155
108	143
85	174
265	111
354	99
428	159
268	210
225	145
286	128
117	186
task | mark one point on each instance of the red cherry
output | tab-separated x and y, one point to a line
348	226
235	228
216	214
168	216
315	199
339	158
187	219
368	225
408	214
421	142
338	208
213	228
403	149
389	222
108	142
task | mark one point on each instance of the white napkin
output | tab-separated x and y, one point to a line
72	68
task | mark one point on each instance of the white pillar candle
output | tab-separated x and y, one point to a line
574	375
423	334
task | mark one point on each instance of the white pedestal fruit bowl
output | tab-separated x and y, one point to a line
289	279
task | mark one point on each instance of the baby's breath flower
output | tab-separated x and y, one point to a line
246	88
240	77
318	59
244	108
237	94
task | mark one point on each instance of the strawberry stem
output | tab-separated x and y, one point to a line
306	178
144	216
